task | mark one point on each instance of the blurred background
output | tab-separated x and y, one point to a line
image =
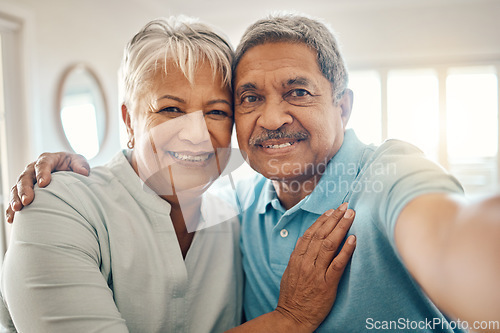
423	71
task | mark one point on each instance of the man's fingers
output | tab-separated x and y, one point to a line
330	245
24	187
15	201
336	268
79	164
9	214
48	162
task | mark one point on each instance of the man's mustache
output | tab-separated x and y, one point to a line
276	134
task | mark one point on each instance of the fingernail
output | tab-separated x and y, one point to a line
343	207
329	212
40	181
23	199
351	240
349	213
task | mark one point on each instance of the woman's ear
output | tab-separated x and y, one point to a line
127	120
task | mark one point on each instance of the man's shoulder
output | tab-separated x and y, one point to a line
396	154
240	192
399	147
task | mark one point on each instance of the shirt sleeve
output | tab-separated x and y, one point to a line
51	279
398	173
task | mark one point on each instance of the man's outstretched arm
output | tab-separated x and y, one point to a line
452	248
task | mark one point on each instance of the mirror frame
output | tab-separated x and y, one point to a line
60	89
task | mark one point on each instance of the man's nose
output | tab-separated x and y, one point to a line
274	113
194	128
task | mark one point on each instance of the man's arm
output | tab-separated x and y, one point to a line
452	248
22	193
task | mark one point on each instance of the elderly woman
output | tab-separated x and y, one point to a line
131	248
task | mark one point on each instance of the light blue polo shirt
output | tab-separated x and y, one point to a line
376	291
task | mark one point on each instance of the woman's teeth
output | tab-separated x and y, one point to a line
279	146
190	158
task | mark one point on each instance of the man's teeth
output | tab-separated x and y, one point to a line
279	146
190	158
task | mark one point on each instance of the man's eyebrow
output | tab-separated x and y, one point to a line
245	87
180	100
216	101
298	81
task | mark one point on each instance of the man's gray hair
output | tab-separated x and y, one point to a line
294	28
181	39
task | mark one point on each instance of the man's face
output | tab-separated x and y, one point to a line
286	119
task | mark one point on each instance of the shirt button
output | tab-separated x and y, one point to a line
283	233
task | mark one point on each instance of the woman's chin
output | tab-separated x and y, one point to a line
170	181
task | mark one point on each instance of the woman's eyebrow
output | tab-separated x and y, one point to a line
216	101
175	98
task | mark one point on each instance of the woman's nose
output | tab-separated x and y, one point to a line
193	128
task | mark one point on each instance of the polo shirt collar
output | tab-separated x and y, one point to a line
338	178
333	186
268	197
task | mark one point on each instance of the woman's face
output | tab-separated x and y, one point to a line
182	131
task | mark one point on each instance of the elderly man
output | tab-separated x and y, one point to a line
422	252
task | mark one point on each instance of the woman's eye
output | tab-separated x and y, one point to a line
217	113
299	93
171	110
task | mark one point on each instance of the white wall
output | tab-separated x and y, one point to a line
372	32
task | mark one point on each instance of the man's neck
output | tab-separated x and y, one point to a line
291	192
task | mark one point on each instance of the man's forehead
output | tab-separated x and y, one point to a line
284	82
272	56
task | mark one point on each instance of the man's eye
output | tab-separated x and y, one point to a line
299	93
249	99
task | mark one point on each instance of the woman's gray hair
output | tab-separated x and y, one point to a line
181	39
294	28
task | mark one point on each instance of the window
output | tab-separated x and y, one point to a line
366	111
413	109
472	126
451	113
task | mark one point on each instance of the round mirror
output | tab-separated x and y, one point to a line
82	110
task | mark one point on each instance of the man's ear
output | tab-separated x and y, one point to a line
346	106
127	120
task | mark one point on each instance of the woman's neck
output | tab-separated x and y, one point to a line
185	214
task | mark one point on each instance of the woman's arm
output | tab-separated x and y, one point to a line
309	285
51	279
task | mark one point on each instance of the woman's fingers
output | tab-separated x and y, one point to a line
305	239
339	263
326	249
318	228
309	284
